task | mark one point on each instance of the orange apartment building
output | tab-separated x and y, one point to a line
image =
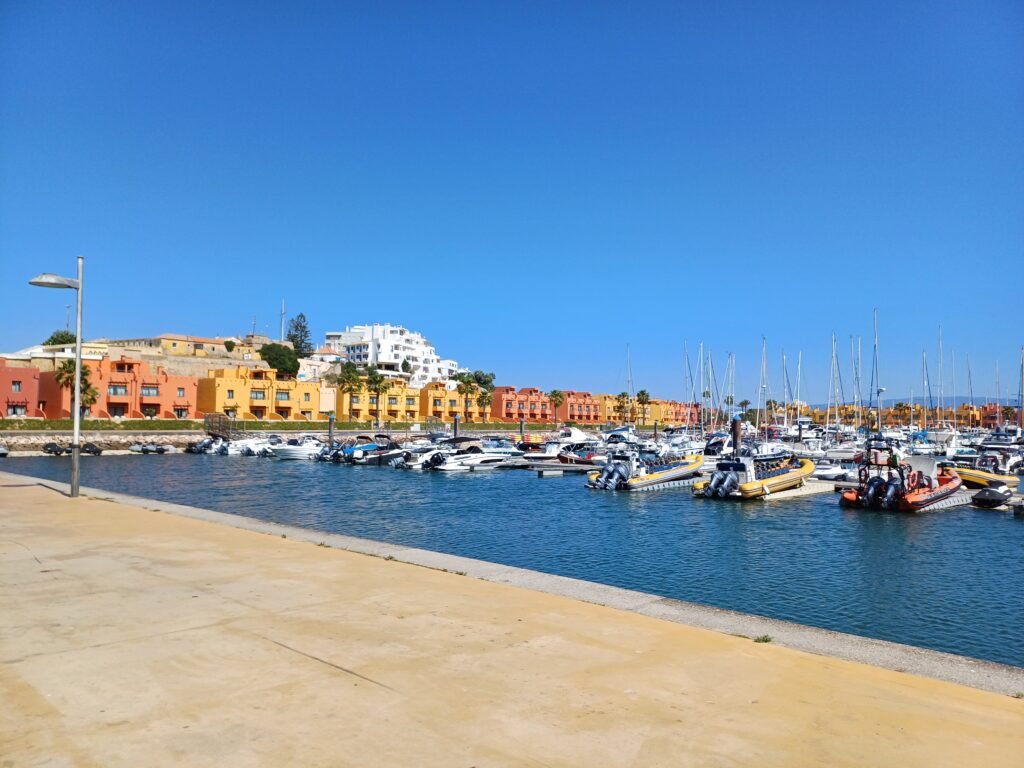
528	403
19	392
125	388
579	407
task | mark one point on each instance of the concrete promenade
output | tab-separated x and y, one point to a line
138	637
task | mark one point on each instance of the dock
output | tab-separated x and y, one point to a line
809	488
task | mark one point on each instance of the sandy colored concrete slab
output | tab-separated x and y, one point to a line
134	637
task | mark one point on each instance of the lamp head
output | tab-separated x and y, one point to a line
50	280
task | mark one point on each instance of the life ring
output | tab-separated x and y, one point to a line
862	475
913	479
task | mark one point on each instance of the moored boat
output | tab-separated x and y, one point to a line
754	477
630	472
995	495
886	482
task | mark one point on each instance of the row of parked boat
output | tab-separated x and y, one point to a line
734	465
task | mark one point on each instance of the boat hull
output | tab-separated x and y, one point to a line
922	498
980	478
756	489
671	475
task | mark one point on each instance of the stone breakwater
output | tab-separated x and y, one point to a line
33	443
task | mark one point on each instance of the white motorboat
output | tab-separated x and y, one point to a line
826	470
307	448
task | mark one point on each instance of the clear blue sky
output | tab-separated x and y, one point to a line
532	185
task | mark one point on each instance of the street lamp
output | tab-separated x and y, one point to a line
50	280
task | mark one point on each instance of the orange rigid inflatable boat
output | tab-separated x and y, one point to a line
922	491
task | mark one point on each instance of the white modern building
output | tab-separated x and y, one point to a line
387	347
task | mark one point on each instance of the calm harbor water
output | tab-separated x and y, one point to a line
952	580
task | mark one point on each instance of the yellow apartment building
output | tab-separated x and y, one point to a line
400	403
439	402
608	407
247	393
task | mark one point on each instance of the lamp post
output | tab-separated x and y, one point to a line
50	280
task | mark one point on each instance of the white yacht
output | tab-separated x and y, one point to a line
307	448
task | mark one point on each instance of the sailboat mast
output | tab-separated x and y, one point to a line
952	354
700	373
878	375
999	397
970	389
785	392
942	402
1020	392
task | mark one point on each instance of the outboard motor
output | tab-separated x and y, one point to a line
893	491
872	491
717	478
728	485
434	461
602	478
618	477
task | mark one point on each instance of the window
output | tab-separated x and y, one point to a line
282	396
117	411
174	344
437	402
198	346
305	397
410	401
181	413
533	406
307	414
231	394
149	411
452	403
392	401
522	406
148	390
117	389
15	410
258	394
181	392
355	399
15	386
373	399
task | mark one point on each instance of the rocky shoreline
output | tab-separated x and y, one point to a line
32	444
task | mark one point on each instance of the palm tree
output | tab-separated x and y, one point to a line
643	399
377	383
900	410
1009	413
467	387
483	401
556	397
622	405
65	375
349	383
